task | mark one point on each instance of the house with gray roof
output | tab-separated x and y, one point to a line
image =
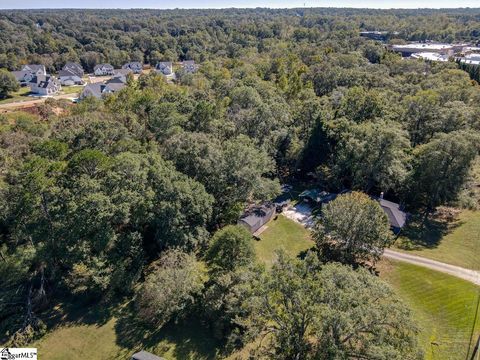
35	69
74	68
23	77
257	216
189	66
69	78
44	85
135	66
164	68
396	216
103	70
99	90
145	355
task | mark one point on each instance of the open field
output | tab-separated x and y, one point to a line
456	242
444	307
282	233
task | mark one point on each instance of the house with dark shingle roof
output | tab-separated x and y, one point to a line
35	69
396	216
69	78
74	68
164	68
257	216
99	90
23	76
135	66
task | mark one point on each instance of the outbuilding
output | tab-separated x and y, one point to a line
257	216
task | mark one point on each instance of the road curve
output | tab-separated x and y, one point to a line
462	273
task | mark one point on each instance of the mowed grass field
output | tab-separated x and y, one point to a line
18	96
456	242
444	307
282	233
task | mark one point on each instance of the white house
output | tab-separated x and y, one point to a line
23	77
98	90
44	85
103	70
35	69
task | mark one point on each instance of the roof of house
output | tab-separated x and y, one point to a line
122	72
99	66
34	67
163	64
95	88
145	355
43	81
20	75
74	67
63	73
132	64
396	216
258	215
430	56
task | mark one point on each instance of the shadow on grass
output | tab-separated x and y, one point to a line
425	234
189	338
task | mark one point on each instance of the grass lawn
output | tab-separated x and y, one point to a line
282	233
18	96
100	334
444	307
456	242
75	89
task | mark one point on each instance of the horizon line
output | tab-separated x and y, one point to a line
246	8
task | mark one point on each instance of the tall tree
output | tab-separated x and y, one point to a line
8	83
353	229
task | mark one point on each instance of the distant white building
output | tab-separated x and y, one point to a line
103	70
471	59
412	48
430	56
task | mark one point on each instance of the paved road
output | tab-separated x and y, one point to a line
462	273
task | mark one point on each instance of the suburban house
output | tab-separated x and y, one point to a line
35	69
431	56
471	59
135	66
122	72
145	355
28	72
164	67
74	68
98	90
69	78
23	77
257	216
189	66
396	216
103	70
44	85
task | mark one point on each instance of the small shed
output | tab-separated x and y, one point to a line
145	355
257	216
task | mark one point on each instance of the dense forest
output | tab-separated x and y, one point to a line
138	194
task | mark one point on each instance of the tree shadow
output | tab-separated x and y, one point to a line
187	339
427	233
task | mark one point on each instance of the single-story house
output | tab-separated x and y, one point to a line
103	70
396	216
69	78
145	355
135	66
35	69
23	77
74	68
98	90
257	216
189	66
164	67
44	85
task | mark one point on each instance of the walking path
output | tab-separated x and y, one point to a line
462	273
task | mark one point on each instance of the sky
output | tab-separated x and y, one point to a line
164	4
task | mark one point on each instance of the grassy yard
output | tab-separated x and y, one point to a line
282	233
456	242
17	96
444	307
76	89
